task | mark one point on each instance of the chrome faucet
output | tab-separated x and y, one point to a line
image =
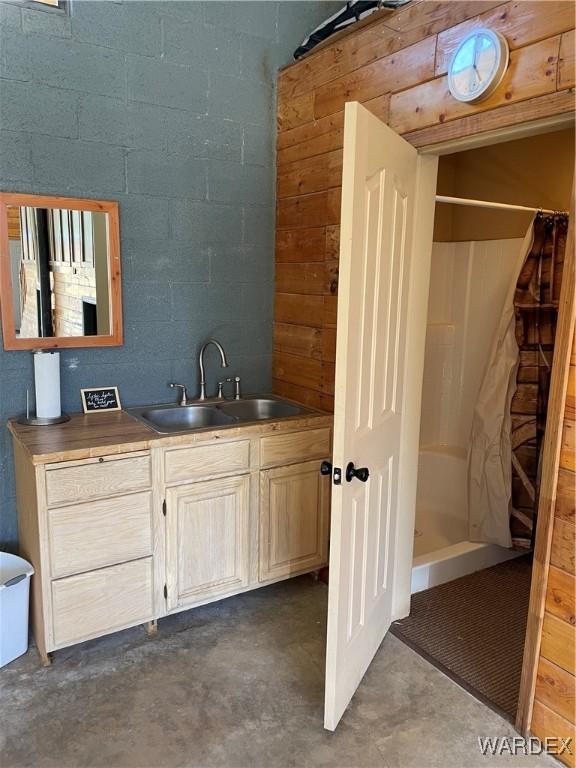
234	380
183	399
223	364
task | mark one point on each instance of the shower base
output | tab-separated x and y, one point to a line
445	563
442	551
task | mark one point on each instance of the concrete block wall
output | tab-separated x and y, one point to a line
167	107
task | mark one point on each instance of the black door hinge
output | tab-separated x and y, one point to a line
165	592
164	507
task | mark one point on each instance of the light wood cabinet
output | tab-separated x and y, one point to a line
99	533
72	481
293	520
128	537
205	461
89	527
207	539
99	602
277	450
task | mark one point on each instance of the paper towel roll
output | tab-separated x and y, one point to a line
47	384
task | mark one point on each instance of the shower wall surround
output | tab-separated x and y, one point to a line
468	286
167	107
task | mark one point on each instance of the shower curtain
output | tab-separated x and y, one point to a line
510	415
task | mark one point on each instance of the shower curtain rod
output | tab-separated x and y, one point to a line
489	204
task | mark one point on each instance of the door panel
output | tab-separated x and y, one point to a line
207	539
388	197
294	520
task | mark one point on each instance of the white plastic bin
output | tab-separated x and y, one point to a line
14	590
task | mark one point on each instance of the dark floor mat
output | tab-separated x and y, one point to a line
473	629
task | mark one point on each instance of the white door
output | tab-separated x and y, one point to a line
388	196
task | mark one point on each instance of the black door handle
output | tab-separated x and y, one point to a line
326	468
361	473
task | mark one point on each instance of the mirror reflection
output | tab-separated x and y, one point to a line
59	264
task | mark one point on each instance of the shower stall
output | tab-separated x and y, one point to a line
468	286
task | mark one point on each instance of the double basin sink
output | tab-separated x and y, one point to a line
183	418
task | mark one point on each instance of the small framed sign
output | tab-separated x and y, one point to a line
100	399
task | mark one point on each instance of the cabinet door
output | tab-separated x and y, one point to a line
293	520
207	543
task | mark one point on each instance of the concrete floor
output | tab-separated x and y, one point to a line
238	683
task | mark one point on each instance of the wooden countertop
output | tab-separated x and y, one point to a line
99	434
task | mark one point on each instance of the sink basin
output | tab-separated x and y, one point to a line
183	418
258	408
178	418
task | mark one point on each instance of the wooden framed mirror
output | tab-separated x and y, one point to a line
59	272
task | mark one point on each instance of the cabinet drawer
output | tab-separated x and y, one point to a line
103	601
278	450
207	460
99	533
97	477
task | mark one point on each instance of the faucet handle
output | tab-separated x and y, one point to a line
184	395
235	381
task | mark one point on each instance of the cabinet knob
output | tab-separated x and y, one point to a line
326	468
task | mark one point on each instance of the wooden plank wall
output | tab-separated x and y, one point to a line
554	700
396	66
13	223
